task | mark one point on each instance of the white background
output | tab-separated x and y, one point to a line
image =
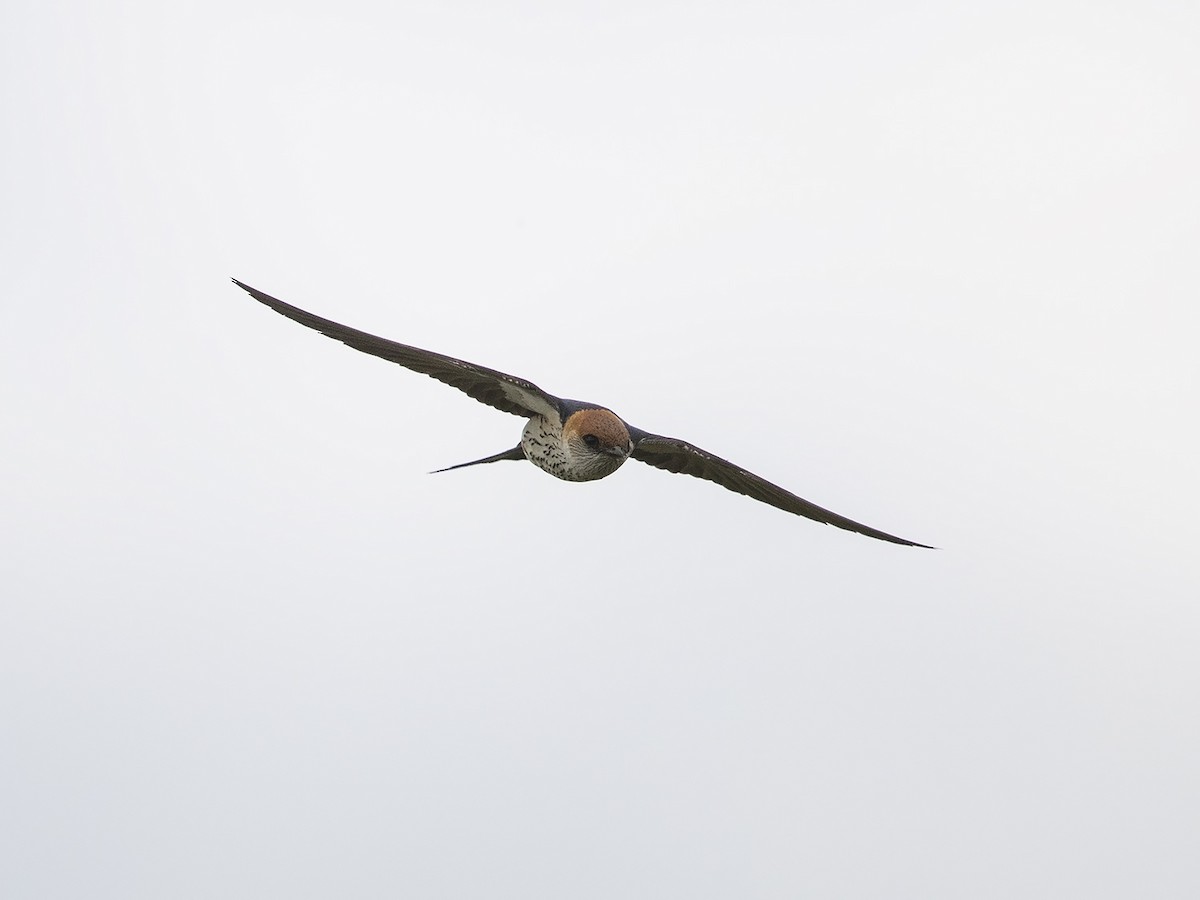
931	265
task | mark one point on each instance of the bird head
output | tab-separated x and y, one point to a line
597	441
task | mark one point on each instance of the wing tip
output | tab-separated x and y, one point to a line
253	292
884	536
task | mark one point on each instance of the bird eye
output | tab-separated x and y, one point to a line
591	440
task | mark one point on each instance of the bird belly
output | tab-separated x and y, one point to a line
543	445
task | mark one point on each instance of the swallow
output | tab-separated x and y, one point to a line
571	440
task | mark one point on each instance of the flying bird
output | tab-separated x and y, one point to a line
571	440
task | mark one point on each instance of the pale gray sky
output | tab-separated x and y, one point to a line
932	265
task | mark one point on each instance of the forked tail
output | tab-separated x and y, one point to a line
515	453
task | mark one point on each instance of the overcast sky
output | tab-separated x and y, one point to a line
931	265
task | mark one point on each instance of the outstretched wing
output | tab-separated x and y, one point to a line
679	456
504	392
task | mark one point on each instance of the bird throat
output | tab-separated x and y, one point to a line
542	441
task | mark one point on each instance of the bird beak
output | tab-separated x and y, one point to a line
618	452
